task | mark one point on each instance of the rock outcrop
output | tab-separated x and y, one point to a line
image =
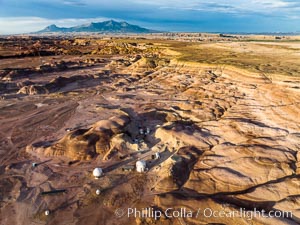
84	144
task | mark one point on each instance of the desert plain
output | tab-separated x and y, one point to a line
223	112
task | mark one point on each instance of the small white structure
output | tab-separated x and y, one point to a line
140	166
98	192
157	155
47	212
141	131
97	172
147	130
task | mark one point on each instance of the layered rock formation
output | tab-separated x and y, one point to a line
84	144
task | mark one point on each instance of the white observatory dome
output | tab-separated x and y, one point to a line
47	212
97	172
140	166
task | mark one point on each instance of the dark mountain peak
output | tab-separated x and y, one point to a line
110	22
110	26
52	26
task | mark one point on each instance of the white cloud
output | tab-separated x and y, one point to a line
73	2
235	6
273	3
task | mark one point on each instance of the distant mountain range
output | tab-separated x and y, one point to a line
110	26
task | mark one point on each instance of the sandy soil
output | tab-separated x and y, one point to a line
228	137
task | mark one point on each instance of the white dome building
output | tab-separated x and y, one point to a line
140	166
47	212
97	172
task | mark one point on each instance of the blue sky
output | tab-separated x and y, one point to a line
19	16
